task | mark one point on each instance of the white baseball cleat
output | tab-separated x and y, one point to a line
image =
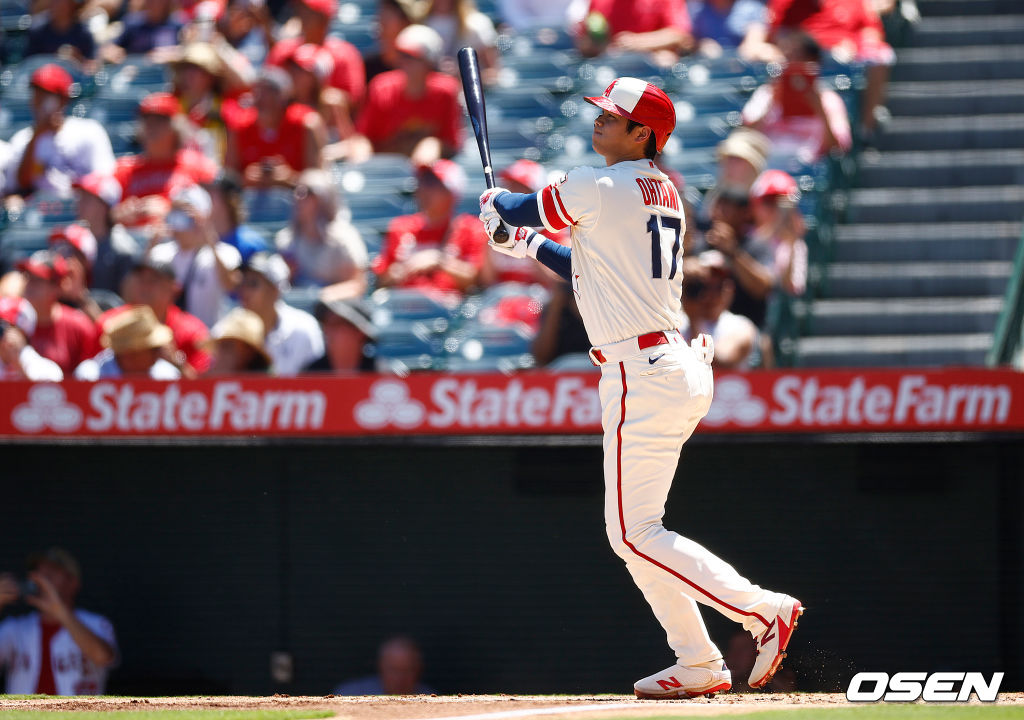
685	682
772	642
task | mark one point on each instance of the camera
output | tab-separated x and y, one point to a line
28	588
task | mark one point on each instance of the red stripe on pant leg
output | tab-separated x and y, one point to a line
622	517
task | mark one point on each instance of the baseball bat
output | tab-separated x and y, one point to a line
473	89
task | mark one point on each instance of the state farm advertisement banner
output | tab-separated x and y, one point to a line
527	403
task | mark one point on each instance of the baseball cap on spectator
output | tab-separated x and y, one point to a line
203	56
271	267
324	7
53	79
354	311
161	267
314	59
277	78
777	184
420	41
159	103
526	172
194	197
714	261
55	556
105	187
747	144
45	265
135	329
78	237
18	312
245	326
451	175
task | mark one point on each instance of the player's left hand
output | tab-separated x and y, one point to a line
487	200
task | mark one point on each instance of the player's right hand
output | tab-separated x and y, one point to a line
520	242
487	201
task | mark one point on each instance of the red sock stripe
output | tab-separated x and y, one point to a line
622	518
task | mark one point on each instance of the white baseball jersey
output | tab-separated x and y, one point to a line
73	673
627	229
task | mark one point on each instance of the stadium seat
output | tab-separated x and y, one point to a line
476	346
14	80
135	76
408	345
391	304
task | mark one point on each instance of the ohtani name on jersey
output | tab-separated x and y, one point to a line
658	192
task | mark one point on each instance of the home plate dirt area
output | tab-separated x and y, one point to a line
465	707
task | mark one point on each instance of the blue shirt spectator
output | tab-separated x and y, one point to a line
727	23
143	33
59	27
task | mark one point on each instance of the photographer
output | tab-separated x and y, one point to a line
58	649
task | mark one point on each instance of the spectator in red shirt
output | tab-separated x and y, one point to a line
413	110
273	141
63	334
659	27
314	18
310	67
152	282
852	31
802	118
433	249
149	179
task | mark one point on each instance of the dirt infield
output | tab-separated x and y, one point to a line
466	707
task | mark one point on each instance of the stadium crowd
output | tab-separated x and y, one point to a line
161	268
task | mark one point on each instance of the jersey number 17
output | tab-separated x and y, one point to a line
656	226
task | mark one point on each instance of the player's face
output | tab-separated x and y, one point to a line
612	140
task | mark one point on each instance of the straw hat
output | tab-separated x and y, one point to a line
245	326
747	144
135	329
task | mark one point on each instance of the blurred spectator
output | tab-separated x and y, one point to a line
399	672
58	649
460	25
152	283
736	25
659	27
803	118
310	67
133	342
205	268
750	260
246	25
742	156
165	165
413	110
59	30
77	245
203	77
116	249
237	344
707	296
314	19
320	244
63	334
228	215
293	338
523	15
852	31
273	141
349	334
393	16
18	359
779	223
522	176
155	25
561	327
433	249
56	150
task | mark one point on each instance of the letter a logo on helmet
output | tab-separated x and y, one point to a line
639	101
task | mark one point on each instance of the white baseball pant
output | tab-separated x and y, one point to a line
651	406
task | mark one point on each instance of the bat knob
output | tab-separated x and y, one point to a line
500	235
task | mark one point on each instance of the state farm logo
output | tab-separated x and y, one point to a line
47	407
389	404
734	403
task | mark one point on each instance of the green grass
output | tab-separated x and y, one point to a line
167	714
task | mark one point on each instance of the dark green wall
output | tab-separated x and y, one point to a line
207	559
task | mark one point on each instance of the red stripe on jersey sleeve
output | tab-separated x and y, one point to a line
561	207
549	211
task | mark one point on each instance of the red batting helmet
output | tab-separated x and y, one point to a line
641	102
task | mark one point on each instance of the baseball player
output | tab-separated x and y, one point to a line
625	266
